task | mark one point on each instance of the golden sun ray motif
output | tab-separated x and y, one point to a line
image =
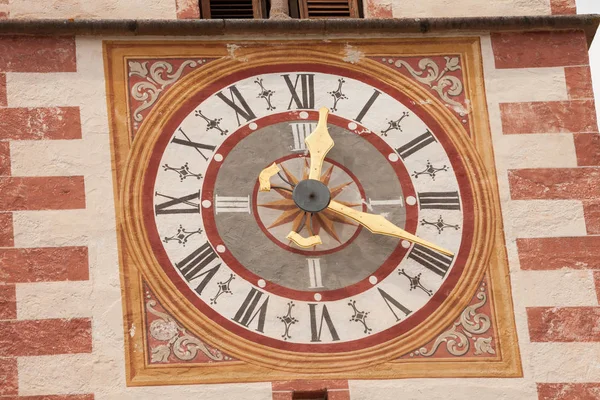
290	213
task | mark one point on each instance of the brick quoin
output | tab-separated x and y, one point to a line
4	159
539	49
8	377
44	264
187	9
377	9
45	337
40	123
572	116
554	183
8	302
591	214
37	54
7	235
568	391
587	148
564	324
42	193
579	82
556	253
563	7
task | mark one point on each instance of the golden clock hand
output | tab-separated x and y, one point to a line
302	241
264	178
378	224
319	142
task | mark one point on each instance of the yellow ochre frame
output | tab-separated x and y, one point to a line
489	249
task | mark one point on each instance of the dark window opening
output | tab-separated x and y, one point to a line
312	395
257	9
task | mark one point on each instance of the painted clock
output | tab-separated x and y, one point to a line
306	213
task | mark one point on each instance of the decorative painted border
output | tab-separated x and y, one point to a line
506	361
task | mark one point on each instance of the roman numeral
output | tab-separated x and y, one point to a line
192	267
197	146
244	111
325	317
300	131
390	301
392	202
432	260
306	97
250	309
416	144
178	205
367	106
228	204
439	200
314	273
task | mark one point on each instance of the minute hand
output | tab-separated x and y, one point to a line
378	224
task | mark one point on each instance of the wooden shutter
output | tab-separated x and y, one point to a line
231	9
328	8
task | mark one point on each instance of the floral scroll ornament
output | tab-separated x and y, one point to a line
446	86
178	342
464	332
157	77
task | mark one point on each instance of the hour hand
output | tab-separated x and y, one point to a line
378	224
319	142
264	178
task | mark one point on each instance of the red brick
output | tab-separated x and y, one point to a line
52	397
568	391
40	123
4	14
338	395
549	117
188	9
4	159
8	302
563	7
564	324
3	90
45	337
597	280
7	236
540	49
378	9
44	264
8	376
282	396
556	253
555	183
587	148
42	193
37	54
311	385
591	213
579	82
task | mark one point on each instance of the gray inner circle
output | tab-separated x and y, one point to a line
246	241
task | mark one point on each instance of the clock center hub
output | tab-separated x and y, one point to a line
311	195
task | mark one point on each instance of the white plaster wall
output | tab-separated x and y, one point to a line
103	371
80	9
467	8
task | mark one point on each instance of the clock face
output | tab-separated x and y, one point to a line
222	243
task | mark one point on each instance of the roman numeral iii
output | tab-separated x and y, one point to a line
439	201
